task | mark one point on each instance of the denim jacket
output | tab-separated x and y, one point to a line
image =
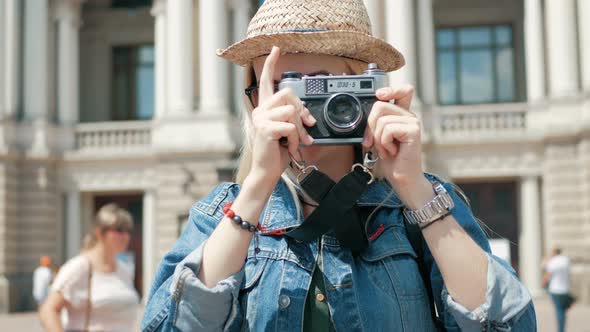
378	290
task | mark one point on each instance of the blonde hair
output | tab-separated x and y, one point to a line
109	216
245	160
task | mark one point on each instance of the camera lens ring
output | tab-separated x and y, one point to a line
351	125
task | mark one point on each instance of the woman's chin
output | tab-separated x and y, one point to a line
312	153
316	153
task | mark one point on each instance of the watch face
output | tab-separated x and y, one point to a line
439	188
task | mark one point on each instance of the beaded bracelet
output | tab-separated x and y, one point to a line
237	219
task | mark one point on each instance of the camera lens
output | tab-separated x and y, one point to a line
343	113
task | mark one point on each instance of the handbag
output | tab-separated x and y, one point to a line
88	302
569	301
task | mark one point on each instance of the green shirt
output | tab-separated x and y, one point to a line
317	313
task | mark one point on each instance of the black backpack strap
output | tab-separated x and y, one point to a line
416	240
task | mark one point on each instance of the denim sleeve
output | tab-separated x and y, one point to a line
178	301
196	306
508	305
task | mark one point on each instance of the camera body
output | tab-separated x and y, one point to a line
340	103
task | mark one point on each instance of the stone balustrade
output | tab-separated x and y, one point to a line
492	121
113	137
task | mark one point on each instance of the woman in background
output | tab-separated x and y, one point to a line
96	290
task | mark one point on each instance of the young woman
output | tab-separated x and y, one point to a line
95	289
238	265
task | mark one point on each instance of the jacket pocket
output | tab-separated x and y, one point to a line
252	271
248	296
392	267
392	264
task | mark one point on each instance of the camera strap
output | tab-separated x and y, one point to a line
337	209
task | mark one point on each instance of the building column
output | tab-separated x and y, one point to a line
36	75
68	81
400	18
241	18
73	223
11	56
179	57
4	82
3	52
584	30
159	12
375	10
530	234
149	240
427	52
562	47
36	65
534	50
213	70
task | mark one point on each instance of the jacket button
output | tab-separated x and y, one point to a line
320	297
284	301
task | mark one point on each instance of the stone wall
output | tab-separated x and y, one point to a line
566	206
181	182
8	228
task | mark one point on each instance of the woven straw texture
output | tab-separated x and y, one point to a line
341	28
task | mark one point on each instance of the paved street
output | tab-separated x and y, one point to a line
578	319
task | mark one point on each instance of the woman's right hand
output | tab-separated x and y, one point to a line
277	115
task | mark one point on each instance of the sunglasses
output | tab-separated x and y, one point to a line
252	92
119	229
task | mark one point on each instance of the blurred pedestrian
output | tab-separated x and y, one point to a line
96	290
42	277
557	281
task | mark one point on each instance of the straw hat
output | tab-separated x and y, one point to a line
333	27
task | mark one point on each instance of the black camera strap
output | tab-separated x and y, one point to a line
337	209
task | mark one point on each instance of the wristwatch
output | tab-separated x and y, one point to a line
439	206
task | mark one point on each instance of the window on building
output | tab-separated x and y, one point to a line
133	82
130	3
475	65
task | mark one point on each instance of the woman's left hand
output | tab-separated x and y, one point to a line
395	133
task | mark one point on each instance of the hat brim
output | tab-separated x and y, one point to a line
350	44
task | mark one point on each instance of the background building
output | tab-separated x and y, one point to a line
126	101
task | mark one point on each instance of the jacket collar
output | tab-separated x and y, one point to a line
280	212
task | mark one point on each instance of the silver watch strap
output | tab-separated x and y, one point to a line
438	206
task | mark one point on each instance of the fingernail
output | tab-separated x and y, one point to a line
310	139
311	119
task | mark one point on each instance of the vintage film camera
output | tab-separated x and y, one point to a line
340	103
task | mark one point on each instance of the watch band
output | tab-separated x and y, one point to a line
441	204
